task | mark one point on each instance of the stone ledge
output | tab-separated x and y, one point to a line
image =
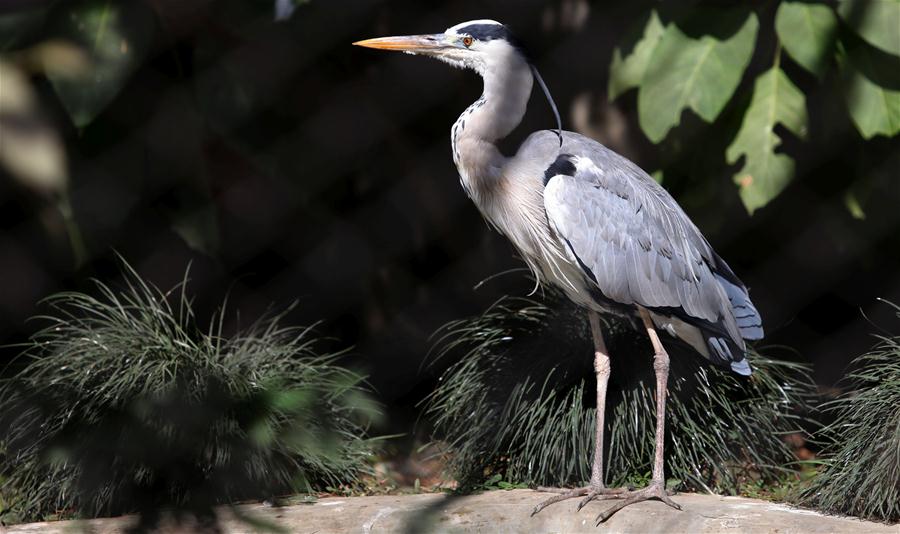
508	512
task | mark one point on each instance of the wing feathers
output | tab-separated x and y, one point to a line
642	249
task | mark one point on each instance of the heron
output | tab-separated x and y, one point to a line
594	225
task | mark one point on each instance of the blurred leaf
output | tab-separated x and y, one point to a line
871	184
32	152
699	73
807	32
626	73
199	227
765	173
116	36
853	204
876	21
55	57
30	148
875	109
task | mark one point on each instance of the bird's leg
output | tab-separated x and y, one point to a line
657	487
596	486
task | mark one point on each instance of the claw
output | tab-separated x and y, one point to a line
590	492
601	494
653	491
589	498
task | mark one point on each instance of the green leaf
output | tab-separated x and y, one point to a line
853	204
874	108
765	173
626	73
697	73
116	36
876	21
198	226
807	32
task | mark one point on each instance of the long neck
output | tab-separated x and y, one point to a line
507	88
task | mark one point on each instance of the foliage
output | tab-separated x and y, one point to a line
115	36
861	474
694	57
775	100
807	32
873	98
124	404
700	74
518	400
88	51
875	21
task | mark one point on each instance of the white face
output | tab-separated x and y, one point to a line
477	50
481	45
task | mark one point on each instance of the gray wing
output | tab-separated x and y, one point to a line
636	243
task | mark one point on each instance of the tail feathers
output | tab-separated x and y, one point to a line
724	351
709	340
745	314
742	367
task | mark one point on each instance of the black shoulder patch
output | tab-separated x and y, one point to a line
562	165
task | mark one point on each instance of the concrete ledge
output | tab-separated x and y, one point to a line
508	512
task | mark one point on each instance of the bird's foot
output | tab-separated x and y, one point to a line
656	490
588	492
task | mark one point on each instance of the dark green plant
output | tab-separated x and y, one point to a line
125	405
693	55
861	471
519	399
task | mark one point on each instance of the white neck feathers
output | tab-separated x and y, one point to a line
507	88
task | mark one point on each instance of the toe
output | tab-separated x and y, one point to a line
590	497
671	503
561	496
654	491
547	489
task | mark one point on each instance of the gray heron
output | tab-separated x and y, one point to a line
593	224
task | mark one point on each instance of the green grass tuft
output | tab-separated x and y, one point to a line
123	404
860	475
519	397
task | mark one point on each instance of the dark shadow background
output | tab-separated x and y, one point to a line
310	169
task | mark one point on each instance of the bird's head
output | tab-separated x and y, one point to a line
485	46
480	45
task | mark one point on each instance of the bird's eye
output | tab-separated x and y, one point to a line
468	41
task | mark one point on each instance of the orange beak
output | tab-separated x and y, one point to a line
412	44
